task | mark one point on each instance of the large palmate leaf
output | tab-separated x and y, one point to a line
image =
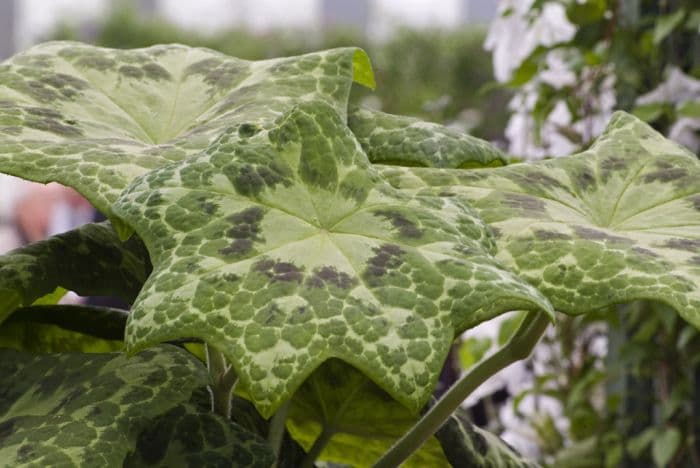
90	260
361	420
467	445
190	435
87	410
94	118
406	141
616	223
286	248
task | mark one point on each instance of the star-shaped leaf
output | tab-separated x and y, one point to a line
90	260
94	118
617	223
87	410
406	141
286	249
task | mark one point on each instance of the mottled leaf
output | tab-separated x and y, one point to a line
614	224
405	141
363	419
94	118
89	260
190	435
467	445
286	248
87	410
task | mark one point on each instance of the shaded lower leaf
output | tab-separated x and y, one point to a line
44	338
87	410
363	419
190	435
101	322
466	445
90	260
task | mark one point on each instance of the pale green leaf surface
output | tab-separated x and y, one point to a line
363	419
89	260
406	141
467	445
190	435
617	223
95	118
285	249
87	410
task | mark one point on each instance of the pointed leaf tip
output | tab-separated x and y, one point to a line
362	69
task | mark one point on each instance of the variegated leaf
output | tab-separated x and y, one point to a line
94	118
616	223
87	410
467	445
405	141
286	248
90	260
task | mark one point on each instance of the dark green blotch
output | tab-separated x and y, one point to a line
612	164
279	271
405	226
524	203
665	175
696	202
594	234
247	130
155	72
330	275
98	62
550	235
131	71
245	231
250	180
386	257
694	260
691	245
536	180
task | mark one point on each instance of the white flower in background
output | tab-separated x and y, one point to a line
686	131
558	72
678	89
515	33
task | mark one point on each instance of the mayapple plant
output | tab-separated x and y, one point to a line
298	270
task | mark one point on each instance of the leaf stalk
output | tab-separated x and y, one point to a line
223	379
518	347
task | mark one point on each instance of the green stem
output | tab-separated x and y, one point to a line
275	433
518	347
316	449
223	379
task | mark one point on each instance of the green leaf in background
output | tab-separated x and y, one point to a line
472	349
690	109
650	112
665	446
190	435
93	118
361	419
42	338
614	224
87	410
285	249
666	24
405	141
90	260
466	445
